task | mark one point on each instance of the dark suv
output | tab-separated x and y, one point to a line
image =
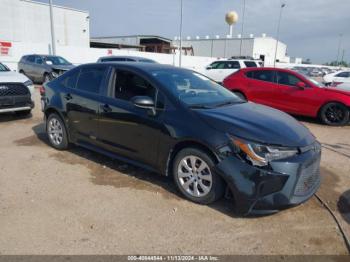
43	68
180	123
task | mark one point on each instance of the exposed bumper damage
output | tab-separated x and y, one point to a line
260	191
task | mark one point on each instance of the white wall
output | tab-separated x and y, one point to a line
80	55
267	46
29	22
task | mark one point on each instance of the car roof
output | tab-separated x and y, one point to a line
122	56
146	67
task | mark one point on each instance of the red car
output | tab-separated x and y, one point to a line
291	92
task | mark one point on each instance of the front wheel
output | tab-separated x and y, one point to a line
56	132
334	114
194	176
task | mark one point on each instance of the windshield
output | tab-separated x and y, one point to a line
57	60
3	68
194	89
314	81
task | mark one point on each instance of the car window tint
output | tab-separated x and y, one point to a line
285	78
31	59
128	85
263	75
90	79
232	65
343	74
250	64
214	65
113	59
70	79
38	60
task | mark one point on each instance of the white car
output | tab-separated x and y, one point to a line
16	92
338	77
221	69
344	86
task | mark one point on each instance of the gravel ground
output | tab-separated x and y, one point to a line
78	202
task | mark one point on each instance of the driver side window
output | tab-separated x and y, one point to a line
127	85
284	78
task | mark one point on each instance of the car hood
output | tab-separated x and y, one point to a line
63	67
12	77
258	123
338	90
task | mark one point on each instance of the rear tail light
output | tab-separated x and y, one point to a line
42	90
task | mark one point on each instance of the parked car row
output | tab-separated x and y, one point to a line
313	71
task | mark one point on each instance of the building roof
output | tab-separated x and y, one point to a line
133	36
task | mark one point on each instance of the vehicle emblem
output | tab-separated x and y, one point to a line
3	88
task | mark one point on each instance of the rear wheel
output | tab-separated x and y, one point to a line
56	132
194	176
47	78
334	114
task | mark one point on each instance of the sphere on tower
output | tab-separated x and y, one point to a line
231	17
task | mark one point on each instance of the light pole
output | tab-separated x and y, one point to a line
242	29
53	41
180	45
278	33
339	45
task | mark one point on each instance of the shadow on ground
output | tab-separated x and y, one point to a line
344	206
111	172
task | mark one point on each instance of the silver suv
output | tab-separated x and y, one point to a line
43	68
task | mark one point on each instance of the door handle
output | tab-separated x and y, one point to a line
68	97
106	108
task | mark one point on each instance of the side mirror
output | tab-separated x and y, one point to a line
301	85
49	62
143	102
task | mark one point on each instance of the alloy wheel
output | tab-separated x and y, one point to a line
55	131
195	176
335	114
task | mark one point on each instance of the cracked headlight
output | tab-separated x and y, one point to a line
261	155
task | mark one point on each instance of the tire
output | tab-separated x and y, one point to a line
56	132
334	114
210	186
240	95
46	78
23	113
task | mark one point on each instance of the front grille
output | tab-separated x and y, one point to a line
308	179
13	89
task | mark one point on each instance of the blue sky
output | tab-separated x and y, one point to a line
310	28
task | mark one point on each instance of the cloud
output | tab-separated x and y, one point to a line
310	28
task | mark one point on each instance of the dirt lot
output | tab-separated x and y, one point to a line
78	202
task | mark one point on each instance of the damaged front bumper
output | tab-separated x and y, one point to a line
286	183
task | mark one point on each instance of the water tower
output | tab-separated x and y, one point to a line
231	19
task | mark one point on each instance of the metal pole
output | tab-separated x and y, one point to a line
242	29
180	55
53	41
278	34
339	45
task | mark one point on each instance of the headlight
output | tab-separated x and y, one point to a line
261	155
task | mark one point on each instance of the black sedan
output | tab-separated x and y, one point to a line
180	123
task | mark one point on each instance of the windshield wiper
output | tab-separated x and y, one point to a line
228	103
198	106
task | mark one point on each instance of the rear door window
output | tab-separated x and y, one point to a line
38	60
263	75
70	79
232	65
250	64
31	59
90	79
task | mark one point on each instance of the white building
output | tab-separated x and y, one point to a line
257	47
28	22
